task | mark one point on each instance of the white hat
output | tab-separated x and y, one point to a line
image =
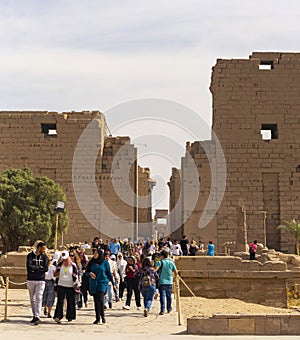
64	254
113	257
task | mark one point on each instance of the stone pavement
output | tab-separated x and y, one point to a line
121	324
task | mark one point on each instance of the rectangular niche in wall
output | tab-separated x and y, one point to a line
269	131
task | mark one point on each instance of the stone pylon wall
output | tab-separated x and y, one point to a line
48	143
250	97
24	143
118	190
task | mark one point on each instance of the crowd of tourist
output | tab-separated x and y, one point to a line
140	268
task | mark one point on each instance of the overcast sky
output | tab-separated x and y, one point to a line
94	54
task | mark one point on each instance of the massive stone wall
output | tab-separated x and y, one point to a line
118	187
253	98
48	142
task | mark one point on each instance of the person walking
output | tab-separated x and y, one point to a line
67	274
165	268
36	265
84	280
132	283
49	294
121	269
110	288
148	281
100	275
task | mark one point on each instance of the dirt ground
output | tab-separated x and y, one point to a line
199	306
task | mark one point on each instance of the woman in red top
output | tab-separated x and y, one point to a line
252	249
132	283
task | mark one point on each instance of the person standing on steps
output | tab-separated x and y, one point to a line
37	265
253	249
184	242
210	249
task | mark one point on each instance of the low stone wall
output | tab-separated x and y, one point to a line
13	265
231	277
237	324
17	275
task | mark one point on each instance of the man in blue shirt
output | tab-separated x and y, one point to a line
165	268
114	247
210	249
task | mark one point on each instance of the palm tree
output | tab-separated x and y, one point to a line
292	227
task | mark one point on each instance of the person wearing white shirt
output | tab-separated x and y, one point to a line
176	249
85	245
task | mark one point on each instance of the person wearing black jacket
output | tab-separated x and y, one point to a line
37	265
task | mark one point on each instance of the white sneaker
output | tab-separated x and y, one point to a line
138	308
126	307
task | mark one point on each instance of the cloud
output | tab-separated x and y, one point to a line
93	54
142	25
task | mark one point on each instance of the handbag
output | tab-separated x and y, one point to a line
76	286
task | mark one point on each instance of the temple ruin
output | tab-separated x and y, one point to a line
256	117
48	143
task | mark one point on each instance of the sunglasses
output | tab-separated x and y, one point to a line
72	255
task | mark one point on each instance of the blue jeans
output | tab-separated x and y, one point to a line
148	295
165	291
109	294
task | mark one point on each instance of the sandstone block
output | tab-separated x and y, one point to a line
241	326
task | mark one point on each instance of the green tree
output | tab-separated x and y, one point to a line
27	208
293	228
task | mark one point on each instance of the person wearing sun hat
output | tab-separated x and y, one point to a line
67	274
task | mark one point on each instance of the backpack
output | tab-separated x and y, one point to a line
146	281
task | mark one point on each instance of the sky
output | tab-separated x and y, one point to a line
95	54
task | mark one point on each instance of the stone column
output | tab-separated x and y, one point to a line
241	231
